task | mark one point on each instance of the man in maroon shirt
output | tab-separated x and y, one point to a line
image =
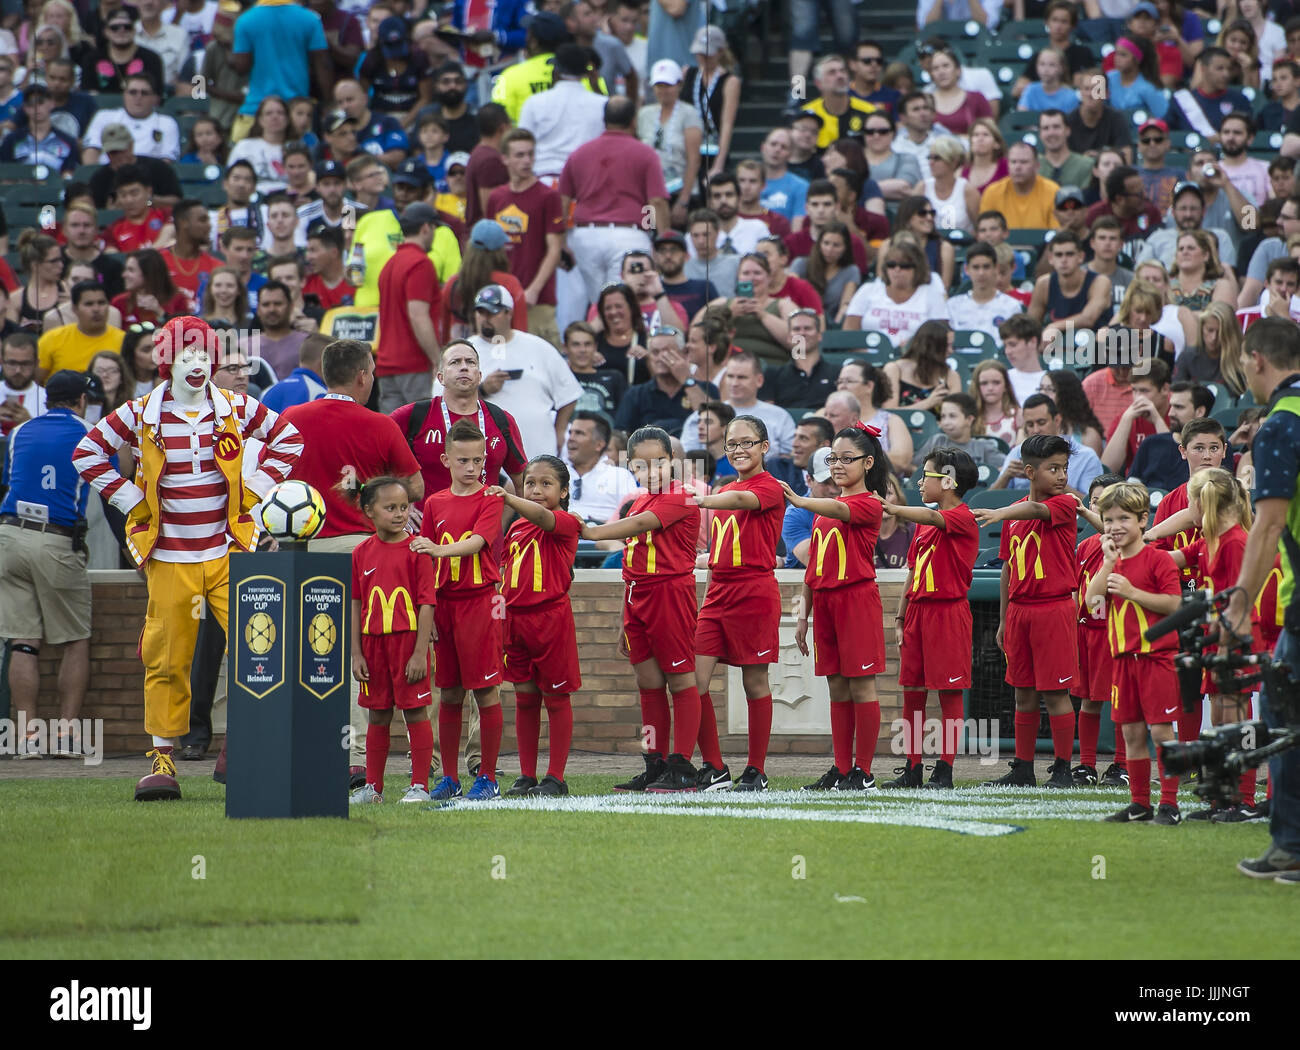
1138	217
750	180
409	299
486	170
532	215
820	208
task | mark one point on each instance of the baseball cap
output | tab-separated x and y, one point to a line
335	120
547	27
1145	8
1069	193
329	169
411	172
709	40
1187	187
67	385
416	215
116	136
393	38
36	87
494	298
817	465
670	237
665	71
805	114
488	234
1154	122
457	160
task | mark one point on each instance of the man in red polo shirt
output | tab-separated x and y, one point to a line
325	257
345	442
409	299
616	184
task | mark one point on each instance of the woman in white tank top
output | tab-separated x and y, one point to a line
955	200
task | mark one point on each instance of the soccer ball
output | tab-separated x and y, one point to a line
293	510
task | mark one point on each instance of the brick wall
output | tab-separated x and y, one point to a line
606	714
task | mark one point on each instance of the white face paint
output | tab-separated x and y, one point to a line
191	372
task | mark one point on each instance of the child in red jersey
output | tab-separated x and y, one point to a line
1138	585
740	621
1038	622
393	596
541	640
933	625
659	610
459	527
1220	507
840	588
1092	683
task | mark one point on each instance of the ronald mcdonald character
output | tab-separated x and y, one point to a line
187	507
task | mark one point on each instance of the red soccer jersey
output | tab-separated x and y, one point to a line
124	236
1149	570
341	437
666	551
844	553
538	566
1222	570
330	298
1041	553
742	543
1268	614
943	560
1089	561
391	582
428	444
187	274
449	518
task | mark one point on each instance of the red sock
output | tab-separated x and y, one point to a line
1062	735
710	749
1089	730
1121	748
1168	784
528	730
1026	734
1189	724
866	719
1248	778
950	703
559	713
449	725
760	730
913	723
1268	793
654	721
1139	780
420	734
490	722
842	734
686	720
377	742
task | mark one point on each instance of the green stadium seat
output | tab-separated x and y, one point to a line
1267	141
922	425
1024	29
1029	237
28	174
958	31
107	101
1011	52
976	344
1014	124
994	498
1185	140
856	341
1227	417
181	104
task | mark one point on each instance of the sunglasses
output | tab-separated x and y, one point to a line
927	213
118	27
874	60
895	264
1151	140
880	131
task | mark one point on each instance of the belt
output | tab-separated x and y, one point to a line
23	523
606	225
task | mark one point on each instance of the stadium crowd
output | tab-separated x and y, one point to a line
1048	219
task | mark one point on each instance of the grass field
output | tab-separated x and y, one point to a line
90	874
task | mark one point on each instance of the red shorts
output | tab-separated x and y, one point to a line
386	658
740	621
659	623
1146	689
468	650
936	650
849	631
1041	645
542	646
1096	665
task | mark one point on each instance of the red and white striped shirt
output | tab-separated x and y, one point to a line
192	490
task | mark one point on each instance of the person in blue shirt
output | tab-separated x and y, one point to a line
1041	416
304	383
379	134
1130	83
1049	91
280	47
44	585
1202	109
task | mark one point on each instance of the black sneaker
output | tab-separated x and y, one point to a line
1238	814
1132	814
654	769
1021	775
1058	774
1207	814
1114	777
521	787
549	788
1272	864
751	780
1264	809
856	780
678	775
713	779
1168	815
941	778
1084	776
827	782
910	776
356	777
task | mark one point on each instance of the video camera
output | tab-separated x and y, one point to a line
1223	753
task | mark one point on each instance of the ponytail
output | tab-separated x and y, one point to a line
1220	496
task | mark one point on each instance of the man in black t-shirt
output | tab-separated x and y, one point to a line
1095	126
691	295
165	189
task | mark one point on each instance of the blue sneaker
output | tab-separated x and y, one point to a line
445	789
484	790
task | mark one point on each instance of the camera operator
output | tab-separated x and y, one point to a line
1272	348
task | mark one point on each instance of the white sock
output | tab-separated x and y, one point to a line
164	741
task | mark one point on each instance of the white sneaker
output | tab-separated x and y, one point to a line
415	793
69	745
363	795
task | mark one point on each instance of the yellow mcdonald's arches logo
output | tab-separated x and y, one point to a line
822	540
447	538
1019	545
649	539
387	606
1117	636
227	446
925	569
1273	582
718	529
517	553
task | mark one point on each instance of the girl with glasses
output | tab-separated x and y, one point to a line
841	592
